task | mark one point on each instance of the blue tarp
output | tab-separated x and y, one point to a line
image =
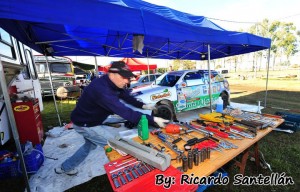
107	27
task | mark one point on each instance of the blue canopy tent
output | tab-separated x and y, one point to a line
111	28
107	28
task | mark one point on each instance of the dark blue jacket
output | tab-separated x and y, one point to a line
100	99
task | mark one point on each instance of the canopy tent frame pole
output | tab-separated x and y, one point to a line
53	94
83	51
119	44
148	66
96	67
267	80
12	122
209	77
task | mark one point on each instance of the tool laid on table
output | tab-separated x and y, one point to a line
253	124
199	128
161	149
172	146
234	132
157	159
207	144
170	138
246	135
217	117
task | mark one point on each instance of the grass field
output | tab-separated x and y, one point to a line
281	150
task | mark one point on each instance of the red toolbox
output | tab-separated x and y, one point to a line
142	176
29	121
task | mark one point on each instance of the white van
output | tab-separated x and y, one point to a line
223	71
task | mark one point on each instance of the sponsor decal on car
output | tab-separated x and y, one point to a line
165	94
196	103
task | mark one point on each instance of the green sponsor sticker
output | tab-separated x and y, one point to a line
196	103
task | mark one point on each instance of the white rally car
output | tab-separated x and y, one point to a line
184	90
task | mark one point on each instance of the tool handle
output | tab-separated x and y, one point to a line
162	137
195	124
202	139
177	140
217	132
236	128
213	138
192	141
205	144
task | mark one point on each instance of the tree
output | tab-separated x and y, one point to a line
288	39
183	64
283	35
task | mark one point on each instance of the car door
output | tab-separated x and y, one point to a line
217	85
194	90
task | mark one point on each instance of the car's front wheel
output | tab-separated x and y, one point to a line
164	111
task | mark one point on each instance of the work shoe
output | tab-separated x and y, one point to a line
59	170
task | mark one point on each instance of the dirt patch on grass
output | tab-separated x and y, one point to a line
241	88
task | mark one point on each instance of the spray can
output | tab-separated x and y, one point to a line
143	130
219	107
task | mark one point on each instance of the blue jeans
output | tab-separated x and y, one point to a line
92	139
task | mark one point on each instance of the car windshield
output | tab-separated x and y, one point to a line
168	80
61	67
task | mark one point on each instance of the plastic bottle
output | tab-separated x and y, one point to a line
143	130
219	106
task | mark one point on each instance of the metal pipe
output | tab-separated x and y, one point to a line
268	68
51	85
96	68
209	78
148	67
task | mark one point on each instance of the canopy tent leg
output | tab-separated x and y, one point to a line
148	66
53	94
268	68
96	67
209	78
12	122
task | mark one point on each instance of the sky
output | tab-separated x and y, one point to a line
241	13
244	13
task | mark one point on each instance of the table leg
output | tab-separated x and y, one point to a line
256	155
242	163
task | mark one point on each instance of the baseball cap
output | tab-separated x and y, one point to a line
121	68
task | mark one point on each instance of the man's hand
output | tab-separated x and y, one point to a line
160	121
149	106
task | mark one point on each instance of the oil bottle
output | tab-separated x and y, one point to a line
143	130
